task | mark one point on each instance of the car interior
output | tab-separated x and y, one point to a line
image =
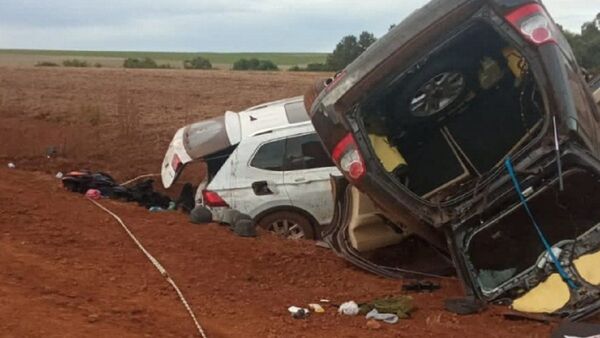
454	117
372	238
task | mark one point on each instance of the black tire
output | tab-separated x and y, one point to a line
295	222
446	82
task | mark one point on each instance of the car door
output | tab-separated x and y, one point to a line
306	178
258	176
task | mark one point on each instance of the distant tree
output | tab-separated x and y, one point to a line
365	40
75	63
46	64
198	62
317	67
267	65
140	63
144	63
254	64
348	49
586	45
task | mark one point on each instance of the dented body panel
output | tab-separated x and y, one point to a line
473	114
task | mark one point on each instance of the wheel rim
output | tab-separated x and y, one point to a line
437	94
287	228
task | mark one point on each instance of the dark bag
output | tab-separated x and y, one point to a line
83	180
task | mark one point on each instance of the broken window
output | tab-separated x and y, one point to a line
510	245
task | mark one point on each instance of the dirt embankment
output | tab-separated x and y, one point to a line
119	120
70	271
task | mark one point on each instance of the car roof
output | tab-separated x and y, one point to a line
289	130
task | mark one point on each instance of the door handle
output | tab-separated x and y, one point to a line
300	180
261	188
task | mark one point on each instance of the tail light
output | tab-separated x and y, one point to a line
175	162
534	23
212	199
349	159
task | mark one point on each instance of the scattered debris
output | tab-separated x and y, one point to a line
400	306
389	318
464	306
316	308
51	152
94	194
298	312
59	175
579	330
201	215
227	217
324	301
349	308
245	228
373	325
421	286
11	165
157	209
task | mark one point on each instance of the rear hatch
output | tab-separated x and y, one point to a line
198	140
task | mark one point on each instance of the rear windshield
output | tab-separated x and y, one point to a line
296	112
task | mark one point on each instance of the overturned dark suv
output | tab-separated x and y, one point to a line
469	141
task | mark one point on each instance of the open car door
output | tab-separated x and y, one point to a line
198	140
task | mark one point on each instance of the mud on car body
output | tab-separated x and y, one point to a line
428	124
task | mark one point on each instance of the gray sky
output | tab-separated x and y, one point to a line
216	25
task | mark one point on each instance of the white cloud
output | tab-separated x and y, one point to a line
216	25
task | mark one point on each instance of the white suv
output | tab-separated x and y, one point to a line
266	162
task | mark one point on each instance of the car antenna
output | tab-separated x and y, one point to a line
558	161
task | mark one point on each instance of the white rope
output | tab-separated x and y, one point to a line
158	266
139	178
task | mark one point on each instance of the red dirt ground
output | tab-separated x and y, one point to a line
69	270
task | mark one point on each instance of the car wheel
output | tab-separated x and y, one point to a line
288	224
435	90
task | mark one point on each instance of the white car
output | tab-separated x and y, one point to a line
266	162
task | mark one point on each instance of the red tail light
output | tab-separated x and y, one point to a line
175	162
534	23
212	199
349	159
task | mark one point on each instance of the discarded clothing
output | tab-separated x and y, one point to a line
389	318
143	192
400	306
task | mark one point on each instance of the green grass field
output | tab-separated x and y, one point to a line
281	59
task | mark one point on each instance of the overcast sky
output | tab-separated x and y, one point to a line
216	25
